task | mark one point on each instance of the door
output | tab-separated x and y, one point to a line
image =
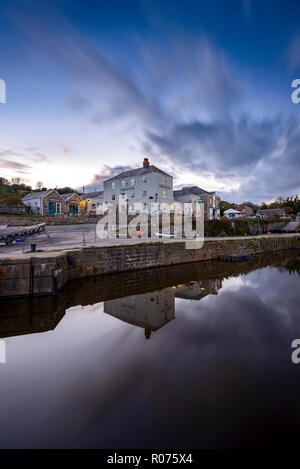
53	207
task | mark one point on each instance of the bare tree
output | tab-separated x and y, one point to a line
16	181
39	185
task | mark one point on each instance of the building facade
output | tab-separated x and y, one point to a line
142	186
92	203
195	194
72	203
45	203
231	214
271	212
246	210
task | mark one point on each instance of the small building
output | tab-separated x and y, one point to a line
92	202
246	210
232	214
269	213
195	194
72	203
45	203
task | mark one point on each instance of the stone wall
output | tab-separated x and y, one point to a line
41	273
68	219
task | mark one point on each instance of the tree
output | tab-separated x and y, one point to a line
4	182
39	185
16	181
64	190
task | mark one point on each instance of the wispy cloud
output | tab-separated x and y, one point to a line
19	168
185	100
106	173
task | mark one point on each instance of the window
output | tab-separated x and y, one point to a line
123	182
131	207
144	193
145	179
132	195
113	185
73	208
164	193
132	181
113	197
165	180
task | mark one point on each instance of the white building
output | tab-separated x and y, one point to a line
231	213
144	186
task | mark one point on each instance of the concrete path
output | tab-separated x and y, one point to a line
64	237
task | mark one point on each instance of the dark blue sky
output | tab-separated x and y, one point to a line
201	87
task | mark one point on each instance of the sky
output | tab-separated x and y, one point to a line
202	88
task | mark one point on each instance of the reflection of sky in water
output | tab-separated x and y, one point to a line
220	374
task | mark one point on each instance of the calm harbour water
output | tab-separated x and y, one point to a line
191	356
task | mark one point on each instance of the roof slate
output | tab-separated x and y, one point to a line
38	195
138	172
191	190
91	195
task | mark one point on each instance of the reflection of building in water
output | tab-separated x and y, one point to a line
198	290
153	310
150	311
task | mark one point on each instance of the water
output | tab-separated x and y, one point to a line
189	356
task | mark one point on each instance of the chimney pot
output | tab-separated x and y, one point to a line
146	163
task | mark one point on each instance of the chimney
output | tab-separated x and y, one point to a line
146	163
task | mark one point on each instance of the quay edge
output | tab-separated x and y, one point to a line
47	273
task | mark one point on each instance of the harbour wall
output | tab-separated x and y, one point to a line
47	273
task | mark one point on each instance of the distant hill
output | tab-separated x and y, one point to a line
11	193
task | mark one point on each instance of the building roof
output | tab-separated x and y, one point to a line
273	211
91	195
232	210
192	190
68	196
138	172
39	195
